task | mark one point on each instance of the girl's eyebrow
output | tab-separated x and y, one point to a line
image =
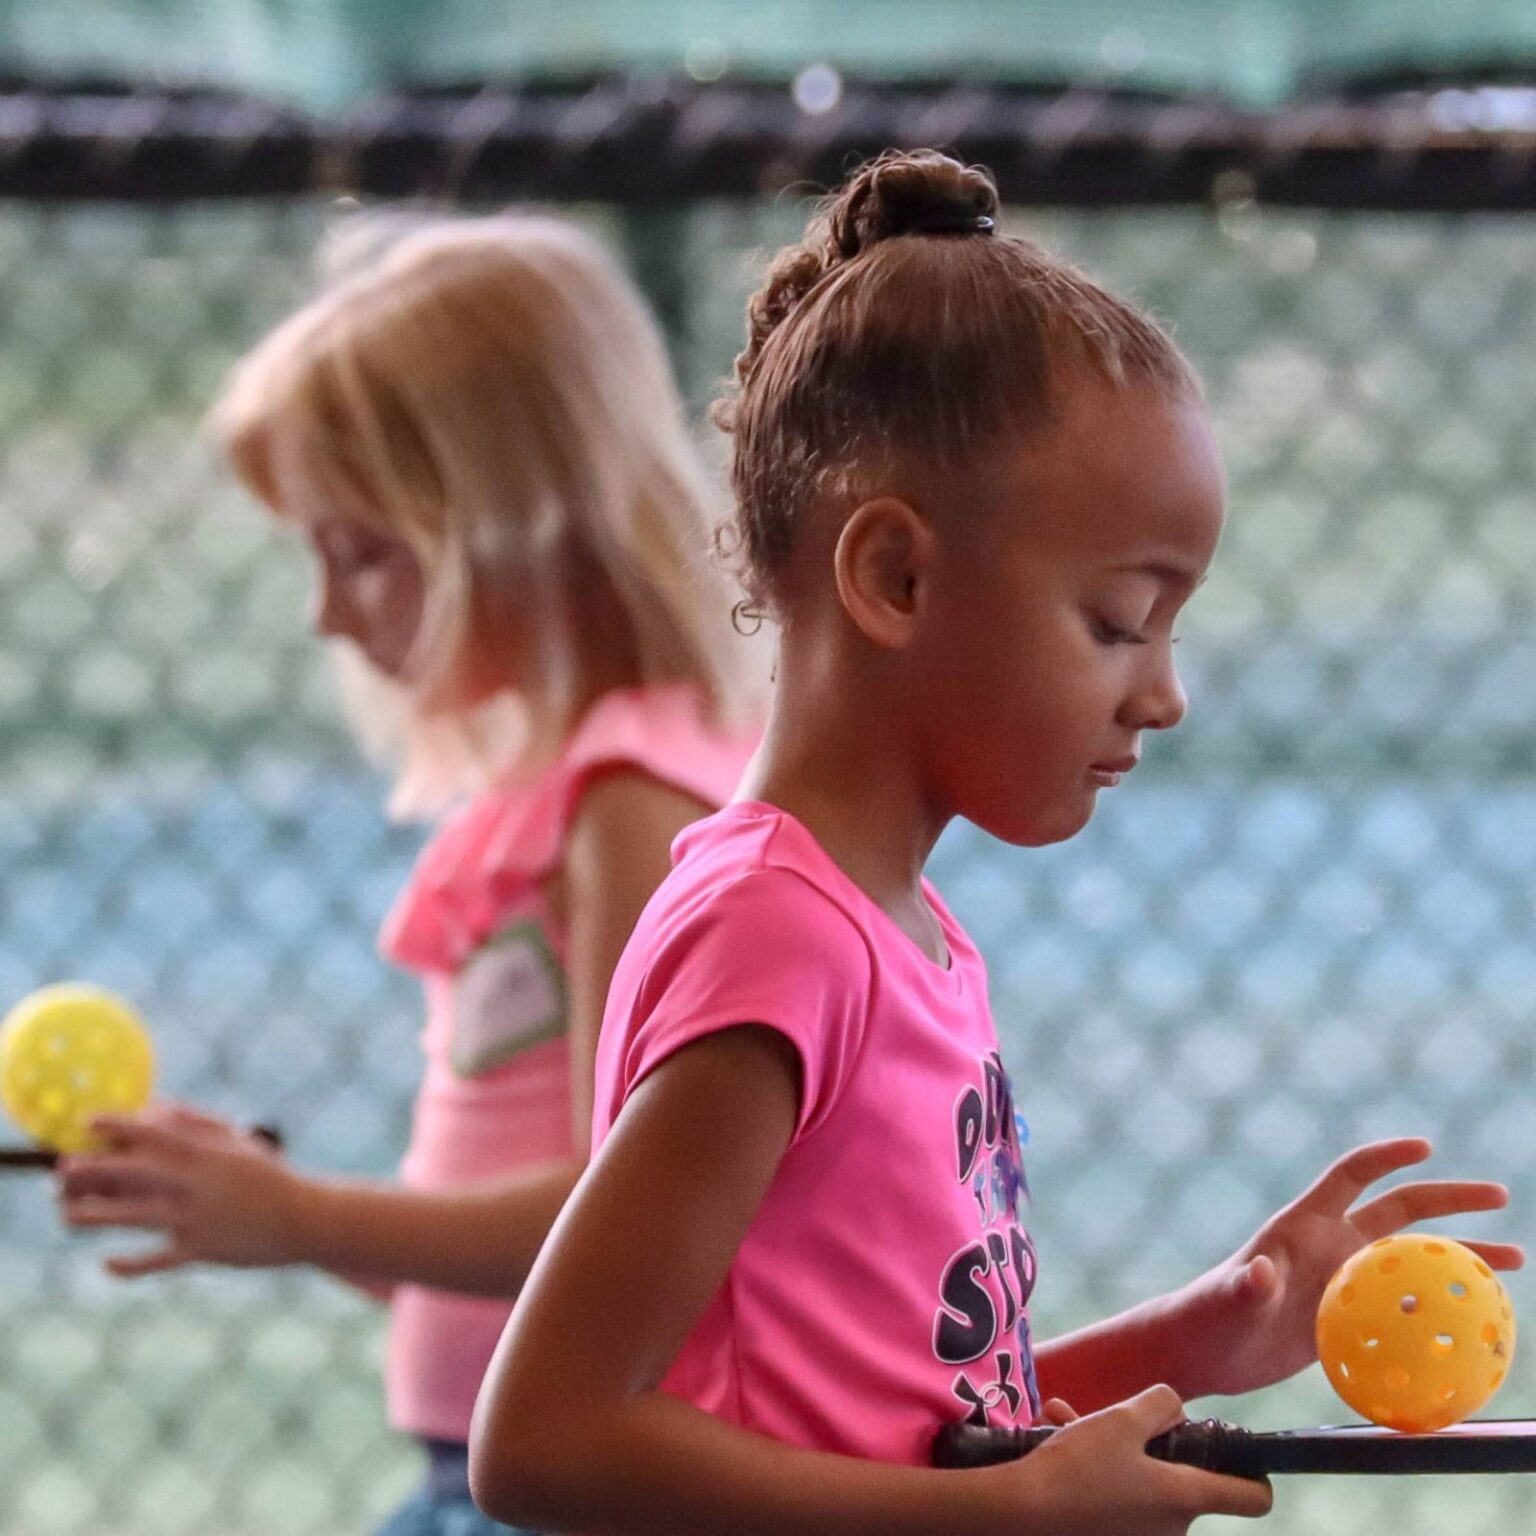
1163	571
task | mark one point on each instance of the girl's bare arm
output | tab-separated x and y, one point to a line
572	1434
219	1197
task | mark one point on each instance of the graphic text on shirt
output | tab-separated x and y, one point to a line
982	1321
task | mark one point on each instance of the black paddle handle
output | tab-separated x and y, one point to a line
1210	1444
20	1158
1486	1445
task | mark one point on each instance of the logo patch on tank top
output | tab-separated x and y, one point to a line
509	995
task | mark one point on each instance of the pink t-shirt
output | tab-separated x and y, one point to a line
476	923
882	1288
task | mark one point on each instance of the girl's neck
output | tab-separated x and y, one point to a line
600	673
603	650
851	783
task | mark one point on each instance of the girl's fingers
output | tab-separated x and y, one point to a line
188	1118
156	1262
148	1215
1498	1255
129	1133
1215	1493
1154	1410
1427	1200
1356	1171
70	1183
1257	1281
117	1171
1054	1411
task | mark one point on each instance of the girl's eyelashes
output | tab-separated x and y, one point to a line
362	557
356	550
1109	633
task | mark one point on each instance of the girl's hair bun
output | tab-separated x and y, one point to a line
911	192
902	192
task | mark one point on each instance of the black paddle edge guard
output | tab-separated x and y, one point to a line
646	139
1215	1446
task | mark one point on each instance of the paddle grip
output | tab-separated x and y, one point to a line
1210	1444
16	1159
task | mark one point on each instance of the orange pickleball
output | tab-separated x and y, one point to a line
1415	1332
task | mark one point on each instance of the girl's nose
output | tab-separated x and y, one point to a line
1160	702
330	615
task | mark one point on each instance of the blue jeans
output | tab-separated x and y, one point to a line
443	1507
442	1514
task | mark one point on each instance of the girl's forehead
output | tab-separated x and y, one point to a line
1135	478
320	498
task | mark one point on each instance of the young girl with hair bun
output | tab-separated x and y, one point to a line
477	434
974	490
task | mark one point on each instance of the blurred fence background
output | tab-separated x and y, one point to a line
1307	921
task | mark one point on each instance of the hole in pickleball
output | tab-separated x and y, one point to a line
1443	1343
1391	1266
1434	1247
1409	1303
1458	1290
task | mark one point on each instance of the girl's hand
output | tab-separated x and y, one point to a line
215	1193
1250	1321
1094	1475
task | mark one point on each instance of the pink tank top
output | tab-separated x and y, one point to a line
474	922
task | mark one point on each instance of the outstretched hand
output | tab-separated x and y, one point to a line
213	1192
1251	1320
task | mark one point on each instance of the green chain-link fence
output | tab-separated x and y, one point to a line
1308	920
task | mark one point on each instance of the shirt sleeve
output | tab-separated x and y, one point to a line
770	949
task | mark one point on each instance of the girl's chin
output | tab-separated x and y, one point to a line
1055	825
385	667
451	699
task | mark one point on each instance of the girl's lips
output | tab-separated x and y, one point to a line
1107	775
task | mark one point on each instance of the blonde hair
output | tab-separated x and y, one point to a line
493	392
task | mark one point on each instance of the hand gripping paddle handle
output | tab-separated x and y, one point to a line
1209	1444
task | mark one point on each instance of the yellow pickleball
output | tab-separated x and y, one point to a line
1415	1332
68	1053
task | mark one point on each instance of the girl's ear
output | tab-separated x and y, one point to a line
883	562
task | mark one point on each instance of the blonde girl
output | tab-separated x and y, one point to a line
478	436
975	489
